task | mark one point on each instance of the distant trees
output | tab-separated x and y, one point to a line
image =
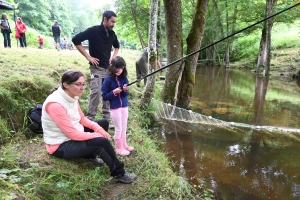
183	27
133	20
73	15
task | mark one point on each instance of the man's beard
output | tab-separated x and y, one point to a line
109	28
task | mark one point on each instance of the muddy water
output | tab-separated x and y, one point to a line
239	163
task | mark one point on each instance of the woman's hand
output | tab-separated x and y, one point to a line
104	134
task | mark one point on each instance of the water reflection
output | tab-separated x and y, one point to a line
239	163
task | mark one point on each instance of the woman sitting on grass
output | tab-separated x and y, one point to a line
69	134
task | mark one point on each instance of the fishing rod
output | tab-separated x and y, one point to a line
214	43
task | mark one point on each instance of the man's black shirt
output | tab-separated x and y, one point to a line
100	43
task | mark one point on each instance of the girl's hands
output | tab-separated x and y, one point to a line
125	88
117	91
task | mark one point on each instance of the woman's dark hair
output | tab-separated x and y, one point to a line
70	76
115	64
108	14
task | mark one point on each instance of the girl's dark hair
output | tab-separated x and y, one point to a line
115	64
70	76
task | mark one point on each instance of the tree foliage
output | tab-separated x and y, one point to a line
133	17
73	15
236	15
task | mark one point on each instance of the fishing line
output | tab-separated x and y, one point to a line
214	43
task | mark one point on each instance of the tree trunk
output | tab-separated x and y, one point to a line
173	17
137	28
219	21
226	54
264	53
159	31
210	51
193	44
261	60
268	36
152	53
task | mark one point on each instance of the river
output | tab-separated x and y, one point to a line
239	163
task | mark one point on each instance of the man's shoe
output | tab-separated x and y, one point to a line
126	178
98	162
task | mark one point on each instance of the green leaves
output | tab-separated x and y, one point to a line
73	16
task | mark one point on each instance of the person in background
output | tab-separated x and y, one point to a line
41	42
56	30
5	30
142	65
115	90
68	134
21	28
101	39
65	42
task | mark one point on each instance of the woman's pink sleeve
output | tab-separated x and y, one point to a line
88	123
59	115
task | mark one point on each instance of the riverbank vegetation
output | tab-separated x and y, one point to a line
285	51
27	76
28	172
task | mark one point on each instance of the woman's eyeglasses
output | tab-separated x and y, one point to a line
79	84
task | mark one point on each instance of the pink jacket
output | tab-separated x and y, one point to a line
21	27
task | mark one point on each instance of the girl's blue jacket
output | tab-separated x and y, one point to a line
116	101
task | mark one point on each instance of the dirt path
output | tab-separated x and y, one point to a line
36	152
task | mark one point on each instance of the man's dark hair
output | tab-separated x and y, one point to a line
108	14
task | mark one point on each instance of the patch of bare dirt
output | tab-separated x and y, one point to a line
116	191
35	152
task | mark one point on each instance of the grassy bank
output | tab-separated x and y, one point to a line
28	172
284	50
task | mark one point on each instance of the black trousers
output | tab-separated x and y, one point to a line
90	149
22	40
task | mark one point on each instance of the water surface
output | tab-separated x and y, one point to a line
239	163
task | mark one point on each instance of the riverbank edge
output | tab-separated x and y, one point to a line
284	64
28	172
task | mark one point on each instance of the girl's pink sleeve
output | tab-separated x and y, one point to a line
59	115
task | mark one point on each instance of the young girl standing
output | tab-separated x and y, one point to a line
115	90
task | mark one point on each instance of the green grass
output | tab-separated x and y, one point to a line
284	37
28	172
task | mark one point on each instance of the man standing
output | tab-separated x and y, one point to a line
101	40
142	65
56	30
5	30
